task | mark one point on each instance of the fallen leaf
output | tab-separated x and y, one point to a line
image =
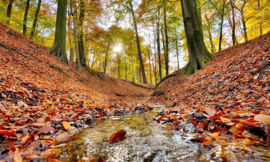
118	136
17	156
63	137
215	134
66	125
262	118
210	111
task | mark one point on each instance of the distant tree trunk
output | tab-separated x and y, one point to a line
10	4
35	20
244	27
138	44
25	16
59	46
166	40
75	33
155	62
72	57
163	41
149	57
158	48
221	26
213	49
233	24
80	34
194	36
106	57
259	6
118	65
176	46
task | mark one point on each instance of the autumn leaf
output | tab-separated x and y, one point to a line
262	118
45	130
118	136
210	111
215	134
17	156
66	125
63	137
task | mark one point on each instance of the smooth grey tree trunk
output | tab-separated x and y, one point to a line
59	46
194	36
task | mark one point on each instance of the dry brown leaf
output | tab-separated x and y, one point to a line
17	156
262	118
227	121
210	112
25	138
62	137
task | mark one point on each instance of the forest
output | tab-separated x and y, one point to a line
142	41
134	80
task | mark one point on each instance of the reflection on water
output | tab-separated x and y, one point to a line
147	141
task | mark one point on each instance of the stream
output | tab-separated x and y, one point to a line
146	141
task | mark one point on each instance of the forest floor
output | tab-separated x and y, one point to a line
43	102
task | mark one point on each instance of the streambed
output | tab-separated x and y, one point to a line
149	141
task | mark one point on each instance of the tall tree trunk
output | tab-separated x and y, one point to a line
213	49
10	4
138	44
194	36
149	57
166	39
71	49
176	46
59	46
259	7
75	33
80	33
221	26
244	26
106	57
35	20
25	16
155	62
158	48
233	24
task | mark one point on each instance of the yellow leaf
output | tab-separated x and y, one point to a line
262	118
66	125
215	134
49	102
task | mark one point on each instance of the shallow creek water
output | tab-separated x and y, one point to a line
146	141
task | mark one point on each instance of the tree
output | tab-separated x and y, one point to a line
166	51
194	37
221	13
10	4
35	20
59	46
81	59
25	16
138	42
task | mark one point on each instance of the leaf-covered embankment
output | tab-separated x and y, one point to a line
227	102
